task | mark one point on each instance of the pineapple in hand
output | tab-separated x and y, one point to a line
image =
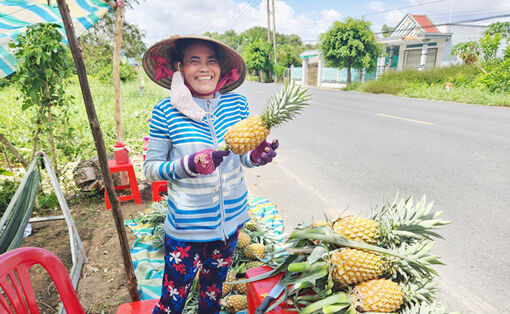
247	134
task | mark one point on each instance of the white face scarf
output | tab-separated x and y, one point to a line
182	99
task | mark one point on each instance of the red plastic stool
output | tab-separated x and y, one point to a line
158	187
133	185
258	290
138	307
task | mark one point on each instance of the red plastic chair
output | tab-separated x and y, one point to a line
157	188
18	295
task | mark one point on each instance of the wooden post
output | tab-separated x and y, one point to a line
101	151
268	23
117	35
274	33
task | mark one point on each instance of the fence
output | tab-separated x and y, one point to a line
329	77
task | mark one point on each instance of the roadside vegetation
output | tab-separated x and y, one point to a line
484	78
431	84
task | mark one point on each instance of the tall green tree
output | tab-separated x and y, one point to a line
350	44
101	36
257	59
288	55
42	73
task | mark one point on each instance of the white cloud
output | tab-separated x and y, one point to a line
376	6
163	19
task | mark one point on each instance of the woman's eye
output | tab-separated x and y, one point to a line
212	61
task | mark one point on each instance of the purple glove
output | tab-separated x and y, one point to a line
206	161
264	153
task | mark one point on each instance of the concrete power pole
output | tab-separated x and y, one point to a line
274	34
268	23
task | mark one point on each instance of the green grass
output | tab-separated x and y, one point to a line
430	84
461	94
18	125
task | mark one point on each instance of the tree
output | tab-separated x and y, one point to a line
350	44
100	36
467	51
502	28
386	30
288	55
257	58
230	38
42	73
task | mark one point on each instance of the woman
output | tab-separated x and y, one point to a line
206	192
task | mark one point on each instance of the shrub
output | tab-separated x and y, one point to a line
127	73
497	78
279	71
352	86
392	87
7	190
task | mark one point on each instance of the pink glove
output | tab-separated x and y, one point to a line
264	153
206	161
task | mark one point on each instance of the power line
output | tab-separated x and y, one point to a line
461	21
245	9
244	12
406	7
442	24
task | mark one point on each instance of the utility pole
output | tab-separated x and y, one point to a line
268	23
274	34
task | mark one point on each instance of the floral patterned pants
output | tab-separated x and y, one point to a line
182	262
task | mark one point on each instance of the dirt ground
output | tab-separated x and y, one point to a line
102	286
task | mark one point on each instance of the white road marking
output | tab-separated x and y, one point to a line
405	119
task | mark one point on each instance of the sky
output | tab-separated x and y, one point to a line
161	19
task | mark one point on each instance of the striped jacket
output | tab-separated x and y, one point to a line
204	207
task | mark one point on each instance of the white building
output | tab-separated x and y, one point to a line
416	43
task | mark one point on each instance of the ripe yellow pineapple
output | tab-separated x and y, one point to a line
400	222
243	240
352	266
227	287
240	288
245	135
236	302
254	251
379	295
358	229
253	264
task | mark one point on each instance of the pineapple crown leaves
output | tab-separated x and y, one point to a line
419	293
285	105
433	308
416	264
406	222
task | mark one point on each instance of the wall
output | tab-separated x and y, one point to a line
460	33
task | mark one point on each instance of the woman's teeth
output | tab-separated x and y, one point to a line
204	78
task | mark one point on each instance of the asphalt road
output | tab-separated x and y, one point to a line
352	151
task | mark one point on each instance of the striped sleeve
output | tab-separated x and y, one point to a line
157	166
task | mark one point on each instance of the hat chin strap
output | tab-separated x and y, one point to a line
229	77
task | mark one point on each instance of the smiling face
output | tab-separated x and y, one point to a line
201	69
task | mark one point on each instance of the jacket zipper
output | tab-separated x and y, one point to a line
220	188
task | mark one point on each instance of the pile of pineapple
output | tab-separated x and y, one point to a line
254	244
380	264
